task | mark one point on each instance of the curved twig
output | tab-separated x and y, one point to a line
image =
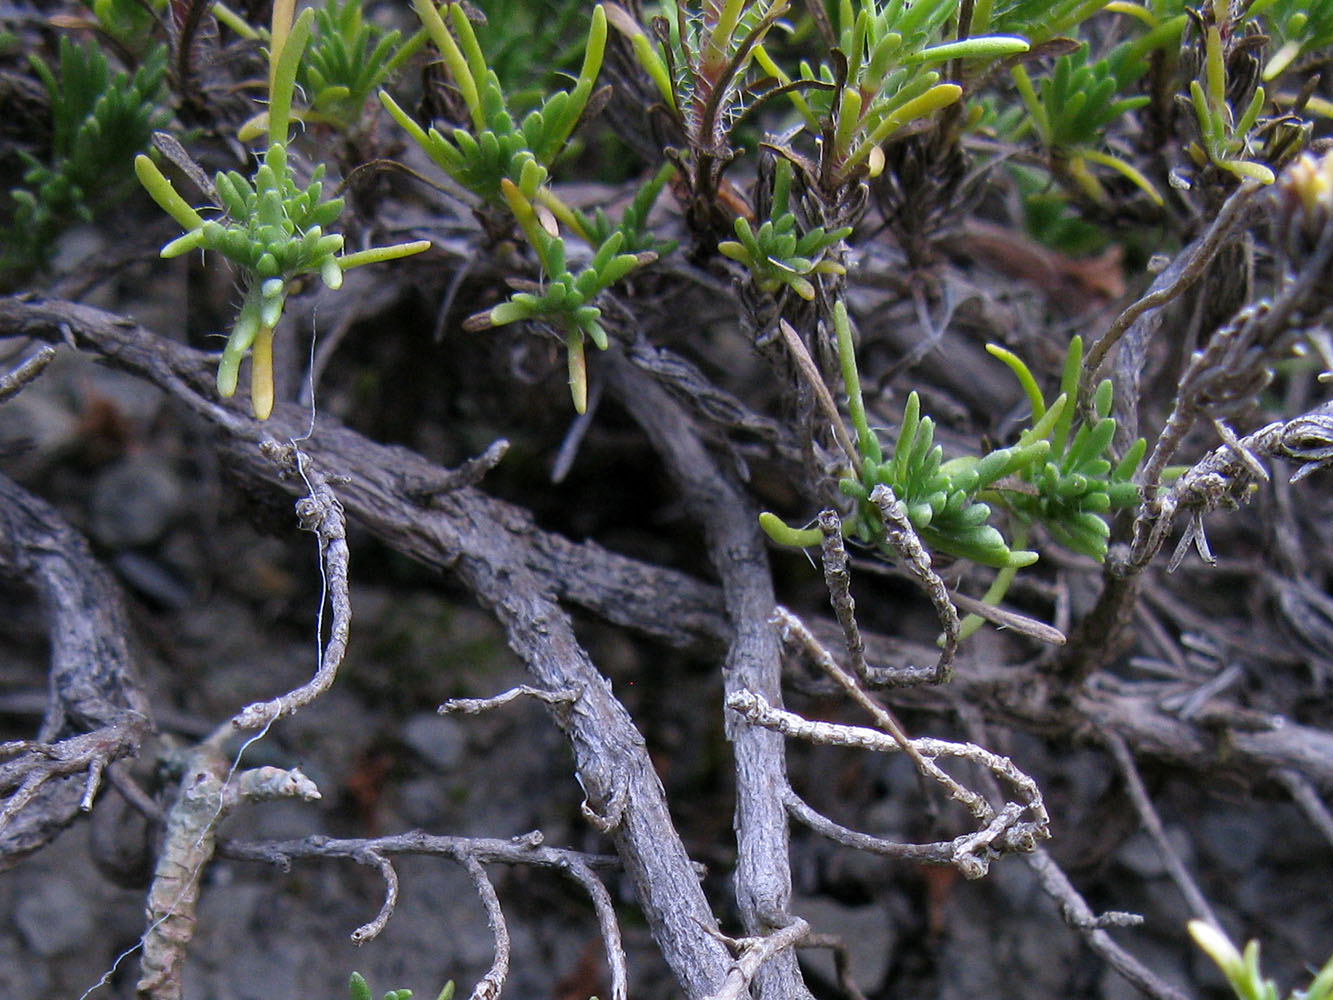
492	984
373	929
320	512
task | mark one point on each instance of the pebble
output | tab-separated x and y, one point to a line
439	740
134	502
53	918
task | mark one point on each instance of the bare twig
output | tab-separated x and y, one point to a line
95	711
607	923
37	763
1307	797
525	849
736	548
810	372
903	537
493	982
1076	912
1234	365
1138	794
209	790
1022	624
1001	832
320	512
1188	268
1222	478
975	804
475	706
841	961
13	382
753	952
946	852
470	473
373	929
517	570
833	554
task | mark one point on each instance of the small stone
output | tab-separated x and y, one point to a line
440	741
867	931
135	501
53	918
18	976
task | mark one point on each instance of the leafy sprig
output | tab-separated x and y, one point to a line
348	60
776	254
1242	968
1226	138
700	62
359	989
597	228
1077	483
1073	109
1058	474
130	22
564	299
272	227
942	498
497	147
1298	28
507	164
1037	20
883	76
99	120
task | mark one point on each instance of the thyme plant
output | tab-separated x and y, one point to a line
100	118
823	169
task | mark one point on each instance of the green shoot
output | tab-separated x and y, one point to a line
272	227
99	120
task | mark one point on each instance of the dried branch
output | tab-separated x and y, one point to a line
373	929
493	982
1075	909
470	473
13	382
1235	363
1138	794
753	952
1224	477
666	605
975	804
1221	479
903	537
209	790
96	712
475	706
1188	267
37	763
810	372
319	512
736	548
1307	798
1076	912
527	849
1002	832
838	580
512	567
607	923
